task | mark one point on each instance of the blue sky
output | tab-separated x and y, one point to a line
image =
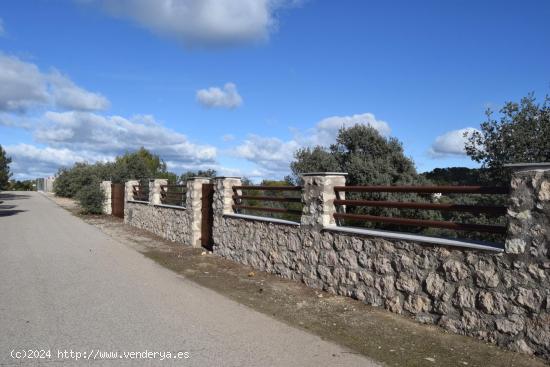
239	85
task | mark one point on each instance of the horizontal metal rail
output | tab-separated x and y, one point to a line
173	194
498	210
426	189
267	198
173	186
424	223
268	188
140	192
263	209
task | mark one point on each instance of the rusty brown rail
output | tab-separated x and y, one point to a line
426	189
263	209
424	223
176	197
267	198
497	210
173	186
140	193
268	188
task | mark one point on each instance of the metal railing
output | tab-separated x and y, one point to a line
490	210
268	199
141	192
173	195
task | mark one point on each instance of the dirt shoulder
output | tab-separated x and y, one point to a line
390	339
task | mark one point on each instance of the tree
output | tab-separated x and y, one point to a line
26	185
455	176
368	158
317	159
141	164
5	173
521	134
70	181
200	173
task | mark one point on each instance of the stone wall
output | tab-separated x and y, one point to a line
493	296
169	223
178	224
500	297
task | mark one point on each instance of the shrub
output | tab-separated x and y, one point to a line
70	181
91	199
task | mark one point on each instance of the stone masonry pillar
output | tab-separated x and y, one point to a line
223	201
129	189
193	203
128	195
223	195
155	190
529	210
318	198
106	187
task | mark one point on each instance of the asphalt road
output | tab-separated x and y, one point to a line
64	285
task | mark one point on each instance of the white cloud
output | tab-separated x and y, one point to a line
21	85
112	135
30	161
76	136
202	22
24	86
450	143
68	95
326	130
274	155
215	97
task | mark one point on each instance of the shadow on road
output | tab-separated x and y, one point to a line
7	210
6	196
10	212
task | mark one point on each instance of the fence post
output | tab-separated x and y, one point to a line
129	189
106	187
318	197
155	190
222	203
128	195
529	209
223	195
193	203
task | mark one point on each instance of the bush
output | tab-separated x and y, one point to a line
91	199
70	181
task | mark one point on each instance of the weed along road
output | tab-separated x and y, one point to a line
69	293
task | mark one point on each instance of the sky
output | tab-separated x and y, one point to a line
239	85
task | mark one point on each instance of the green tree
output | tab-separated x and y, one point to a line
520	134
26	185
367	157
200	173
5	173
455	176
70	181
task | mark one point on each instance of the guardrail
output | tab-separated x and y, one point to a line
492	210
269	199
173	195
